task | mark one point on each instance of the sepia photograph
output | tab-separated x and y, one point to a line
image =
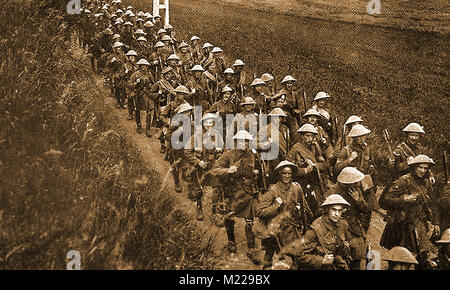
212	135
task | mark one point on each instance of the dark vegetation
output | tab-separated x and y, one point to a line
69	179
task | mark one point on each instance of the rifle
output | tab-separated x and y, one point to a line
304	101
445	162
263	171
336	130
387	139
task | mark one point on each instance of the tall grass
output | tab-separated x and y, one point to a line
69	179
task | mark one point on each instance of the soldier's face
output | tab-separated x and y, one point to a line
421	170
360	140
280	103
401	266
289	85
308	138
132	58
226	96
184	49
335	212
321	103
286	175
312	120
259	88
197	74
413	138
229	77
248	108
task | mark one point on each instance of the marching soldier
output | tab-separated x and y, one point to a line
237	169
289	89
277	133
119	74
306	155
325	246
131	68
187	61
173	61
411	218
322	139
283	213
201	158
259	95
348	125
195	49
139	83
224	106
270	82
245	120
206	53
358	215
410	147
327	121
242	78
228	80
201	94
216	64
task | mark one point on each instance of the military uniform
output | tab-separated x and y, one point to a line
202	95
139	82
401	154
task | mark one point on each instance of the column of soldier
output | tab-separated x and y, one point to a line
312	205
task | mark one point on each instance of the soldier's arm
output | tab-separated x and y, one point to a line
395	195
267	206
221	165
308	254
342	161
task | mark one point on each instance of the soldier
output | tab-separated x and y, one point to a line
170	32
201	94
224	106
119	75
201	158
158	58
411	217
173	61
325	245
283	213
142	47
351	121
228	80
242	78
444	250
358	215
176	157
322	139
127	35
216	64
306	155
399	258
275	132
206	53
259	95
289	89
139	82
187	61
270	82
444	207
237	169
328	121
131	68
157	22
151	37
398	161
245	120
195	49
168	43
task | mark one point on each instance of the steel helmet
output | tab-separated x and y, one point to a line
228	71
195	37
161	31
307	128
128	23
119	10
117	44
140	13
166	38
352	119
358	130
157	16
139	20
108	31
183	44
129	7
207	45
173	57
141	38
197	67
400	254
119	20
159	44
288	78
132	14
131	53
148	15
128	12
142	61
257	82
286	163
414	128
182	89
243	135
335	199
248	101
210	116
312	112
140	31
238	62
321	95
419	159
226	89
267	77
216	50
350	175
166	70
184	107
168	26
277	112
445	238
148	24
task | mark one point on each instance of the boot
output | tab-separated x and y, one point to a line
252	254
176	179
130	116
147	130
231	247
229	229
139	129
200	216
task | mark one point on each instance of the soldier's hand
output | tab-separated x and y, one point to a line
354	193
353	156
323	140
310	163
202	164
255	171
432	180
232	169
218	149
328	259
279	200
410	198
